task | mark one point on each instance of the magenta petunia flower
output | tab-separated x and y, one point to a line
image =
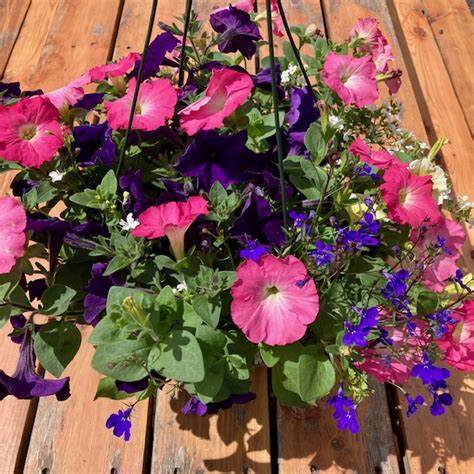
29	131
274	300
352	79
155	105
458	342
12	232
380	158
409	198
115	69
70	93
227	90
171	219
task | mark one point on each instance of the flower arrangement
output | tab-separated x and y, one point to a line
237	219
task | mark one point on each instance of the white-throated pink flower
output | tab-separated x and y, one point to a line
274	300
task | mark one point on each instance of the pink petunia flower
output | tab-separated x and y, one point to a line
171	219
12	232
380	158
156	102
353	79
277	21
29	131
69	94
115	69
380	363
409	198
458	342
274	300
227	90
366	34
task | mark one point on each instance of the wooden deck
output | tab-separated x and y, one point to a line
49	42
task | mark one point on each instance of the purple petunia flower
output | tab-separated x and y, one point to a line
138	201
344	411
196	407
237	31
212	157
263	80
121	423
89	101
25	383
22	186
18	322
258	221
97	290
132	387
9	90
95	143
155	55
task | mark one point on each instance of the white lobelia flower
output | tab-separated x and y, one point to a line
425	167
56	175
336	122
180	288
130	223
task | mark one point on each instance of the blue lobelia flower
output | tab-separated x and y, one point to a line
323	253
237	31
213	157
356	334
344	411
412	403
395	291
365	170
440	320
253	251
121	423
95	144
364	236
440	400
25	383
429	374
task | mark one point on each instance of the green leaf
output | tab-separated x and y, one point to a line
108	389
209	309
213	380
213	339
56	300
118	263
108	184
179	358
125	360
285	383
107	331
56	344
316	374
315	143
87	198
5	313
269	355
427	302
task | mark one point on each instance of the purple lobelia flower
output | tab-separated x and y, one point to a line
212	157
121	423
344	411
138	201
440	400
237	31
429	374
253	251
95	143
258	221
412	404
356	334
323	253
97	290
155	55
25	383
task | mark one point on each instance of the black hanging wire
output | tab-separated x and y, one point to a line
187	18
276	114
295	49
137	87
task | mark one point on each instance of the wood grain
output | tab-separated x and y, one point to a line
439	104
340	17
12	14
453	28
234	440
309	441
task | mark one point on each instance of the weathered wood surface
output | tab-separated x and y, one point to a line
49	42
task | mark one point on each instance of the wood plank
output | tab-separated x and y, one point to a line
12	14
439	104
340	17
13	412
234	440
309	440
453	25
70	436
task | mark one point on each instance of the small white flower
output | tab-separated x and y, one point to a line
336	122
285	77
129	224
56	175
464	204
180	288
